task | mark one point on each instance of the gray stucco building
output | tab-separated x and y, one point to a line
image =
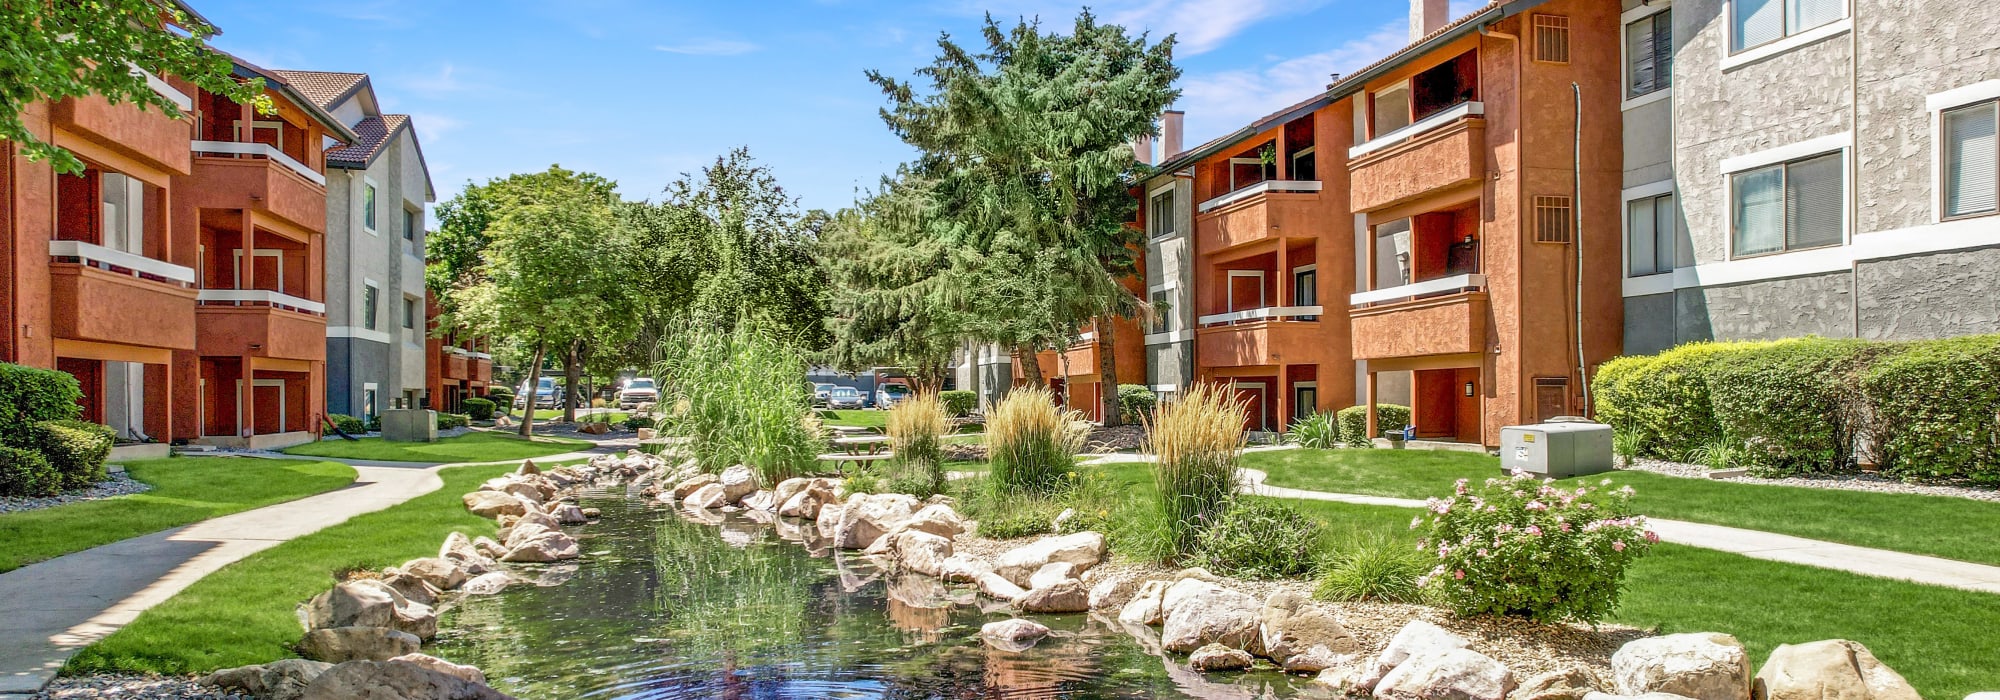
376	192
1167	211
1807	167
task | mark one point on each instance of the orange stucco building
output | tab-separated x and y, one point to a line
457	367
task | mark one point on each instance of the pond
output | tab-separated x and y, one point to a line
665	606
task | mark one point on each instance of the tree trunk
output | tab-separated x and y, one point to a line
978	397
1107	372
572	376
534	381
1030	368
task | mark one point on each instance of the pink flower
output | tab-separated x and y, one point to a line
1416	522
1506	527
1618	546
1535	530
1652	536
1460	486
1536	505
1483	553
1565	527
1458	574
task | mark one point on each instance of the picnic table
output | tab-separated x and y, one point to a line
850	430
853	445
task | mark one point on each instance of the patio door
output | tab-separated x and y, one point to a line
1256	398
1305	288
268	401
1305	399
1246	290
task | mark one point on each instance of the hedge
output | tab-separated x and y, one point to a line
76	450
347	424
1136	402
29	396
26	473
501	397
1935	407
448	421
478	408
1354	422
1793	405
959	403
1664	399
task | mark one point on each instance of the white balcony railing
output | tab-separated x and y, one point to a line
1268	312
1461	111
1260	188
1440	285
120	261
266	297
180	99
259	149
480	356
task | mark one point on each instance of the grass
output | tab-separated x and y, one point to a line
556	413
243	614
470	447
185	490
878	420
1941	526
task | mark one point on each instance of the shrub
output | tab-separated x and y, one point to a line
959	403
1258	538
478	408
1136	402
374	424
1318	431
1373	568
1354	423
29	396
75	449
1524	548
637	421
1031	443
1664	400
739	397
1195	441
27	473
1003	513
449	421
347	424
1934	405
502	398
916	427
1793	405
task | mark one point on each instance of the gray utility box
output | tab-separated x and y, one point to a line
410	425
1556	450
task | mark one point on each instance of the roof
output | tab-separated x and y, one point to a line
276	81
376	135
325	88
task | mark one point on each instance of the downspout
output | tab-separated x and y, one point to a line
1853	172
1576	232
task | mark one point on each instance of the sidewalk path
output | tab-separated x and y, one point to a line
50	609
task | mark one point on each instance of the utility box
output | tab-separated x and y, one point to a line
1556	450
409	425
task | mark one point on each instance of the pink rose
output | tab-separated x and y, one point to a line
1618	546
1535	530
1458	574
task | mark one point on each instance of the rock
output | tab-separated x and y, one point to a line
592	513
1067	596
1056	525
528	467
1704	666
359	603
1147	605
544	546
1051	574
1197	573
867	517
961	568
1216	657
489	547
1199	613
1833	669
1081	550
788	488
737	482
470	555
517	485
1316	659
493	504
412	587
460	671
570	514
487	584
279	680
1416	638
998	587
1288	625
938	519
921	552
342	644
761	500
1571	683
805	503
1345	680
828	519
1112	593
1456	674
442	574
1014	632
1594	695
394	680
710	496
692	484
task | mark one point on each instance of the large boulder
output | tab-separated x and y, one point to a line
1416	638
1147	604
867	517
342	644
487	583
1067	596
762	501
921	552
1457	674
1053	573
692	484
998	587
1216	657
569	514
394	680
1289	625
519	485
1199	613
1081	550
1568	683
411	587
938	519
1014	633
1112	592
443	574
283	679
738	482
542	546
370	603
467	554
1315	659
460	671
1699	665
1832	669
788	488
493	504
806	502
963	568
709	497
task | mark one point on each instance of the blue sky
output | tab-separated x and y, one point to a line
644	91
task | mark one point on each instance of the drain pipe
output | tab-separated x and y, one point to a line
1576	231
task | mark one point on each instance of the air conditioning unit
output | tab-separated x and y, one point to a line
1557	449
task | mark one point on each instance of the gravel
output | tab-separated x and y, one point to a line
117	485
1844	482
129	687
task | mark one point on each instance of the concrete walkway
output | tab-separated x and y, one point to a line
50	609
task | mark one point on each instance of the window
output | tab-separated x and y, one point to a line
1160	214
1304	167
1970	175
1551	38
1553	218
1444	86
1162	312
1305	399
1649	235
1305	288
368	207
1392	254
1649	54
369	409
409	225
409	313
368	294
1789	206
1754	23
1391	110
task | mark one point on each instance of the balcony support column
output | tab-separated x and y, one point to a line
1373	425
1284	389
246	398
246	274
159	393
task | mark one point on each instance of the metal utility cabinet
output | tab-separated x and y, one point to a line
1556	450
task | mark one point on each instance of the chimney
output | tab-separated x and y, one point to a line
1142	148
1170	133
1427	16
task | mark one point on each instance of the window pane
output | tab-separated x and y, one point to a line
1806	14
1664	233
1639	237
1162	322
1814	203
1392	254
1759	211
1642	74
1969	167
1663	49
1757	22
1392	110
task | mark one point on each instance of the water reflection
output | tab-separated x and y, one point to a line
673	604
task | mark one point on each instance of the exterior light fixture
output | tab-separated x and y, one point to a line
1468	388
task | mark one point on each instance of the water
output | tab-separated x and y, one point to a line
664	606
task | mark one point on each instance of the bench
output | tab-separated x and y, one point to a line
843	459
851	430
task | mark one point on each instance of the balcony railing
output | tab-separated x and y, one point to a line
259	297
1260	188
264	150
1264	313
1461	111
121	262
1441	285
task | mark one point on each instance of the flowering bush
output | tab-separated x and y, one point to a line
1532	549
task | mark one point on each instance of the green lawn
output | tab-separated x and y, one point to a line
863	419
243	614
555	413
1955	528
470	447
185	490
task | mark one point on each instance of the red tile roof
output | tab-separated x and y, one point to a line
323	87
375	133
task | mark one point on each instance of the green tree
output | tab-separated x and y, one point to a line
889	301
58	49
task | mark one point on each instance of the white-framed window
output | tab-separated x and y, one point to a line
1649	54
369	295
1649	235
1969	160
1160	212
1304	168
1754	23
369	407
1792	205
1163	312
368	205
1305	288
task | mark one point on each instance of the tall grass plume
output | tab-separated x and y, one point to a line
739	397
1195	441
1032	443
916	428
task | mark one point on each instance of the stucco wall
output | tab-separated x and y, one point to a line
1930	296
1908	51
1769	309
1649	323
383	256
1170	363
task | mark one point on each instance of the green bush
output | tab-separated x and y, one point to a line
1524	548
347	424
374	424
1373	568
959	403
29	396
1793	405
1663	400
502	398
1136	402
1317	431
27	473
449	421
478	408
1031	443
637	421
1258	538
1934	405
739	397
1353	422
76	450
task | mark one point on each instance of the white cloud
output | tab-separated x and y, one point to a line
434	128
710	47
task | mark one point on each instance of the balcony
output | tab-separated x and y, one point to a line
457	365
1445	316
255	176
260	323
1264	210
482	368
149	136
1441	151
1270	335
111	296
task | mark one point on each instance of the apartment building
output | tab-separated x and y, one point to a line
377	189
1074	374
457	366
1810	167
1166	213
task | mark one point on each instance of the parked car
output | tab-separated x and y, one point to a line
845	397
887	395
638	391
546	394
820	392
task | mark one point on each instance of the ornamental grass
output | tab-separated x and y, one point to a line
1196	440
1031	442
916	428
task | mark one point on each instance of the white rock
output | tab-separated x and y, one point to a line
1833	669
343	644
448	668
828	519
692	484
737	482
1146	606
938	519
487	584
1703	666
1065	596
998	587
1456	674
962	568
1316	659
1199	613
921	552
1216	657
283	679
1014	631
1051	574
570	514
444	574
546	546
1112	592
867	517
1081	550
1416	638
493	504
372	680
708	497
